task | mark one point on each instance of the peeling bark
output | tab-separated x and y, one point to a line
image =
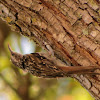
70	27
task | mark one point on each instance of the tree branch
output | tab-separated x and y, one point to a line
70	28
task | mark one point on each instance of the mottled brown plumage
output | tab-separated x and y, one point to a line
43	65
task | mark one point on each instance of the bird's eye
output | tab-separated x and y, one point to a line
13	54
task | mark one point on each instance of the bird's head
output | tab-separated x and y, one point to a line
16	58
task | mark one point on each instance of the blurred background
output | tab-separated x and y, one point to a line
16	84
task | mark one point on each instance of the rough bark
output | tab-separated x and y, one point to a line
70	27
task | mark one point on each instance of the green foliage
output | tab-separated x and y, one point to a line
4	62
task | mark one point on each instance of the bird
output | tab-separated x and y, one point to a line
46	66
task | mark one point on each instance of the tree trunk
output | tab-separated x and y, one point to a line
70	27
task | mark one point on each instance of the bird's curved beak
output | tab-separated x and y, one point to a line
11	51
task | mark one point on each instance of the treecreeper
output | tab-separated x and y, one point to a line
46	66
